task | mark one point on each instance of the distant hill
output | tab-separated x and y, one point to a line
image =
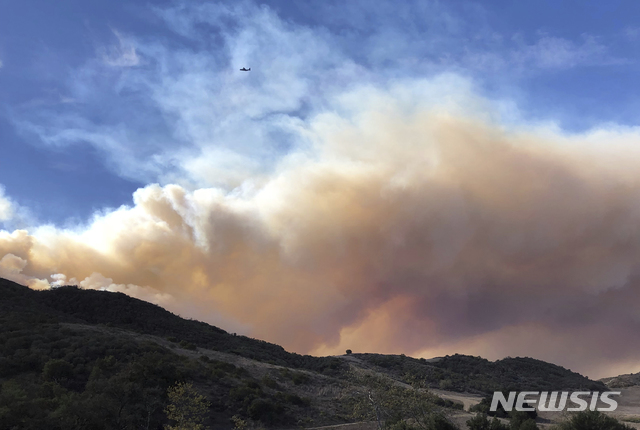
622	381
478	375
75	359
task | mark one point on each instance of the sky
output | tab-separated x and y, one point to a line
417	177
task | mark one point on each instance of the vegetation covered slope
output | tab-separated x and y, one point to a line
475	374
622	381
75	305
84	359
76	359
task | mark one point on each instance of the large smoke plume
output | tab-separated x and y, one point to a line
399	229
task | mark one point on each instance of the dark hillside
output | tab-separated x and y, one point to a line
75	305
520	373
456	372
76	359
478	375
85	359
622	381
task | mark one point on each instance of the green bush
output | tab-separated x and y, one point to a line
592	420
448	403
300	378
401	425
440	422
265	411
187	345
245	394
271	383
57	370
527	425
518	418
294	399
481	422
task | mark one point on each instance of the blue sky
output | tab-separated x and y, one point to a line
573	63
416	177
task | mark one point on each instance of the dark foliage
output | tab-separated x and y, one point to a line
475	374
522	420
481	422
75	305
511	374
75	359
485	404
71	359
592	420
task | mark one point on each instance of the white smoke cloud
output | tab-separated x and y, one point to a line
11	267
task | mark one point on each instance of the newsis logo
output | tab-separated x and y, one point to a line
554	401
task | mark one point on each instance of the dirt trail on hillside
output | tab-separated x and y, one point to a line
467	399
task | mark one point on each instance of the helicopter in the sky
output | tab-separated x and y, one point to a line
245	70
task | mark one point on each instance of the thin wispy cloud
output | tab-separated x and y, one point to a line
546	53
121	55
632	33
558	53
201	122
188	116
6	206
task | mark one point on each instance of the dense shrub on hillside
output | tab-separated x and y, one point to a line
484	408
517	421
75	305
481	422
475	374
592	420
89	379
55	378
381	399
72	359
521	420
103	394
511	374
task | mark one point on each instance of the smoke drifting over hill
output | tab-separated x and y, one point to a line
401	227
